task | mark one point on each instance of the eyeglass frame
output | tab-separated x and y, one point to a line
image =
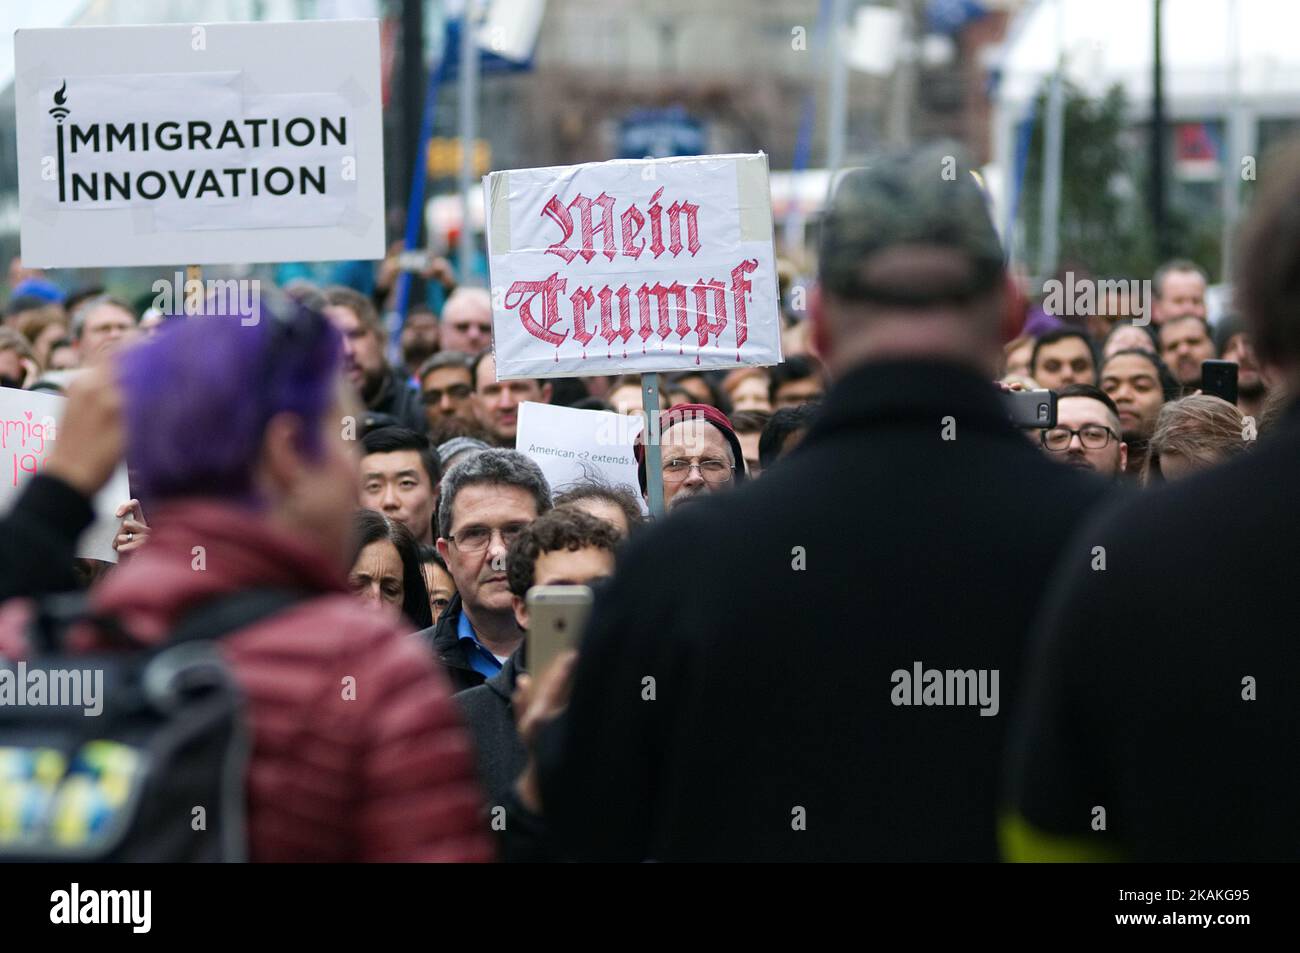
494	530
1077	433
427	398
697	464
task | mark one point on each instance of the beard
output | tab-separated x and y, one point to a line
417	352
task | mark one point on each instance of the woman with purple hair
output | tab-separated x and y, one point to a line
237	436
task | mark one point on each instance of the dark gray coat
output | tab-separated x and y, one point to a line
491	720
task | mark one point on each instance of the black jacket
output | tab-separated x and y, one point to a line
38	538
734	695
491	720
445	642
399	400
1165	687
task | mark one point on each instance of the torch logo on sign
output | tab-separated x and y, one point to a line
60	112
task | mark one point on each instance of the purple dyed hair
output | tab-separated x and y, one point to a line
200	394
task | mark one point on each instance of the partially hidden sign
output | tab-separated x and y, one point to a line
205	144
632	266
571	445
28	431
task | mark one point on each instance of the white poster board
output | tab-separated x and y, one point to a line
28	430
570	445
199	144
632	265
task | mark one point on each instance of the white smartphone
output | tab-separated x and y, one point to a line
556	618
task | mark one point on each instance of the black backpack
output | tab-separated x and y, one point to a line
159	773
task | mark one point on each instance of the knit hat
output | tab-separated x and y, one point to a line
928	195
46	291
684	412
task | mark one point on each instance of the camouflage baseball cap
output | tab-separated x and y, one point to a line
926	196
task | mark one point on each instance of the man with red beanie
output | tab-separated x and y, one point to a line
700	451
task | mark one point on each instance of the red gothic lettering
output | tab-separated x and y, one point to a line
675	213
633	221
560	215
740	287
581	299
524	292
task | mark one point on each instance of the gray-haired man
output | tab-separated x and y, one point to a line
487	499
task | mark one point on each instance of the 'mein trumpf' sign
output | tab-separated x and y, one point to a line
630	266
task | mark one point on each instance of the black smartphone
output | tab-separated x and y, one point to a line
1031	409
1219	379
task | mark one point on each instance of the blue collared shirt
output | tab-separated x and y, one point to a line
480	659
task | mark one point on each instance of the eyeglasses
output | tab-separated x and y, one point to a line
714	471
475	539
1092	436
456	392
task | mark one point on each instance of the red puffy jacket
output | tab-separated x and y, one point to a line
387	775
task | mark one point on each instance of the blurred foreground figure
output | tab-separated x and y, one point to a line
235	435
819	665
1165	729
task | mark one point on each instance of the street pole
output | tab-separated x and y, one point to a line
1235	144
837	101
468	133
900	107
411	92
1159	223
1053	157
654	466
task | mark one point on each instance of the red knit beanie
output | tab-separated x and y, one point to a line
682	412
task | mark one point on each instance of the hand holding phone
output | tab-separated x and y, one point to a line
1031	409
1219	379
557	616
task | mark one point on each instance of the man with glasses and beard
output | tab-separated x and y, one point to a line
487	500
701	454
1087	432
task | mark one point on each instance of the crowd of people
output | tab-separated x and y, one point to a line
784	666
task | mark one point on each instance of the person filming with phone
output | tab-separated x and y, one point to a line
566	547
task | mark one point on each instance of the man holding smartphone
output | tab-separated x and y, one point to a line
1087	433
566	547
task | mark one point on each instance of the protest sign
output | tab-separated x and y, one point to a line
28	430
632	266
206	144
571	444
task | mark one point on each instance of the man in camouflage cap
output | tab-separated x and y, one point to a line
908	238
876	554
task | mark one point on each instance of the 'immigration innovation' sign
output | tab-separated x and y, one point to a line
241	143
